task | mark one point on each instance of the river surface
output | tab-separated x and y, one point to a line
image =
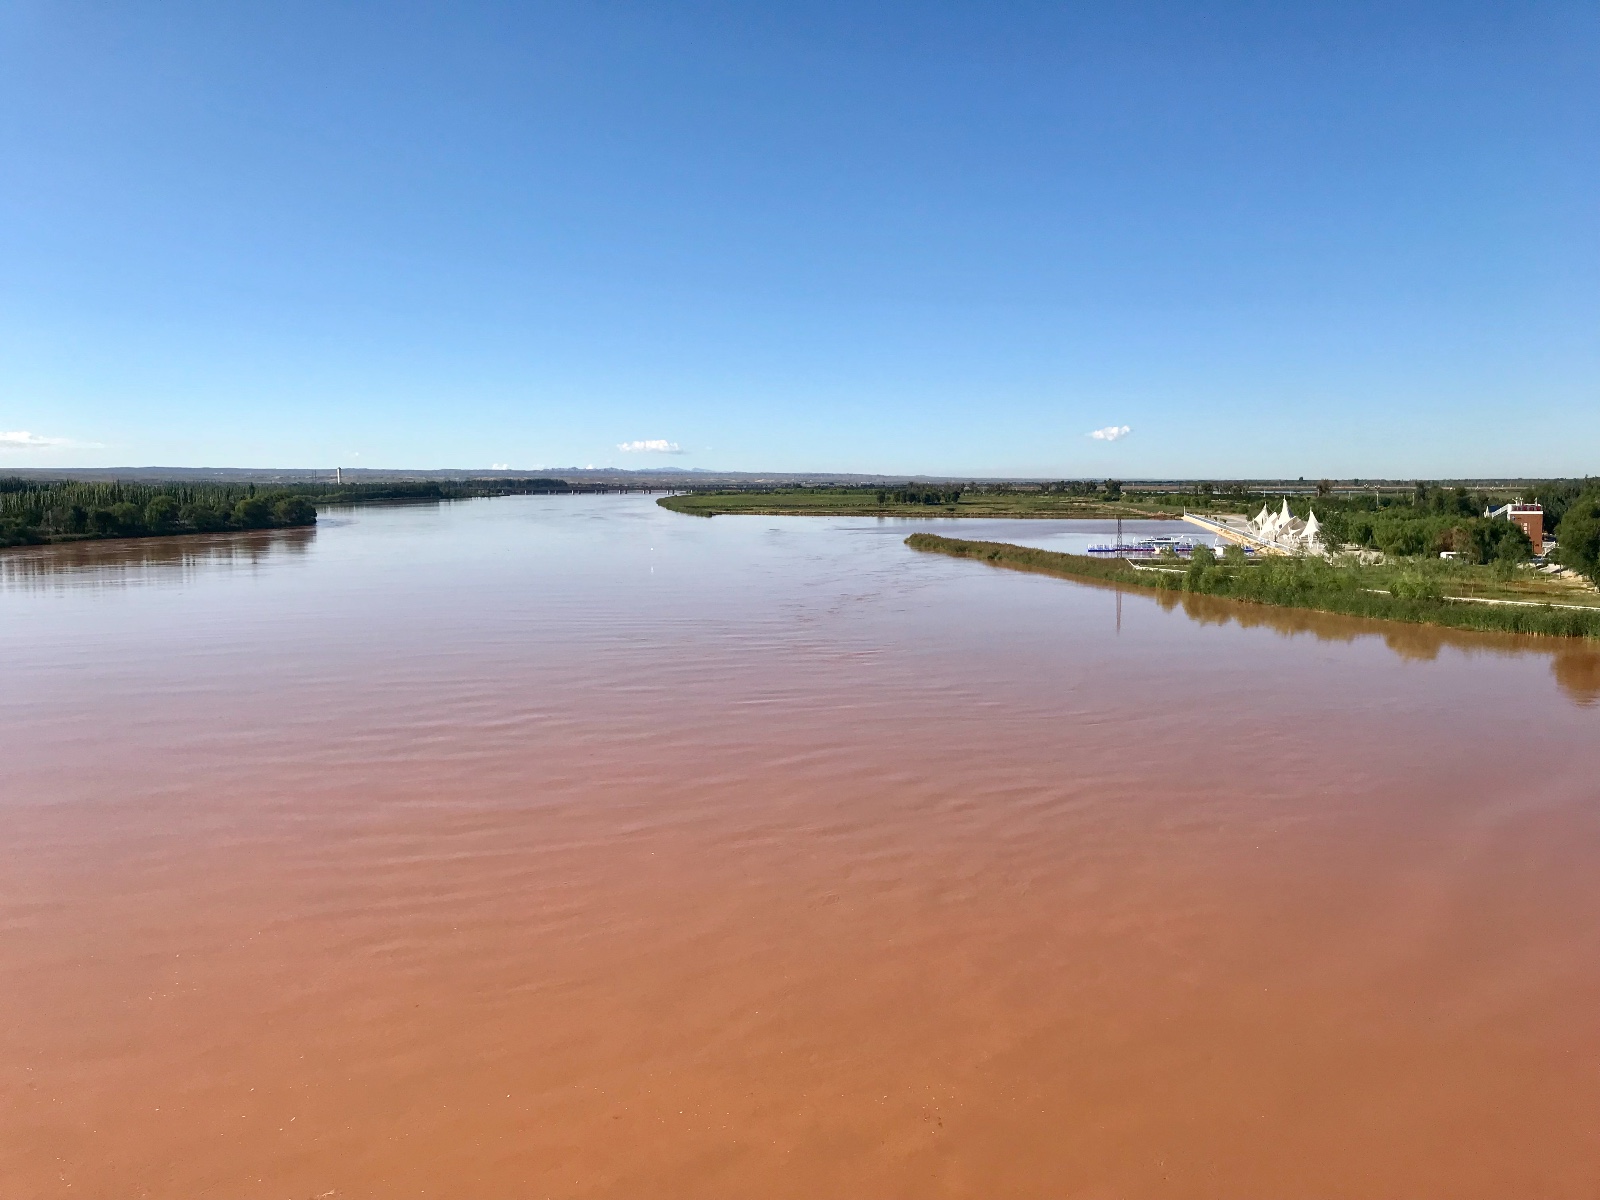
569	847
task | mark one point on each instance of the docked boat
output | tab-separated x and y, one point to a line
1145	547
1149	547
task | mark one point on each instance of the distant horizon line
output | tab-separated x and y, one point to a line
710	474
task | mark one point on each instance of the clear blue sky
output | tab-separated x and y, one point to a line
1269	239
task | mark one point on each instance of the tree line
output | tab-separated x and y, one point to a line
1579	534
32	511
1430	519
37	511
1089	489
919	495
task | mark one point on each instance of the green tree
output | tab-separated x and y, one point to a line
17	533
1414	585
1578	536
204	518
253	512
161	514
128	516
1512	545
1335	531
294	510
1405	539
1201	563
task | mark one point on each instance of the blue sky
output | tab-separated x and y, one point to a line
1268	239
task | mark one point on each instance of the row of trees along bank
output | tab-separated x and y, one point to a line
1427	520
32	512
36	511
1432	520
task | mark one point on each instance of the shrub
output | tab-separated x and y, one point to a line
161	514
294	510
1414	585
253	512
1579	537
129	517
14	533
205	519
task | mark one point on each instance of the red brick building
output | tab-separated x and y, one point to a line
1528	517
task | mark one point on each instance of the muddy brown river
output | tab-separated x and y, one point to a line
568	847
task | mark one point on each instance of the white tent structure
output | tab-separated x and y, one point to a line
1287	532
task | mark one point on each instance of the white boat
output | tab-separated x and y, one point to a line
1147	547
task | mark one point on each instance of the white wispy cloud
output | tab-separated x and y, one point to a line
21	439
649	446
499	466
1110	433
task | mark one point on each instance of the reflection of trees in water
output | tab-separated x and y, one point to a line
1578	673
1576	667
133	561
1216	610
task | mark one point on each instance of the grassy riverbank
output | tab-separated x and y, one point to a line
1391	593
913	501
1418	522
